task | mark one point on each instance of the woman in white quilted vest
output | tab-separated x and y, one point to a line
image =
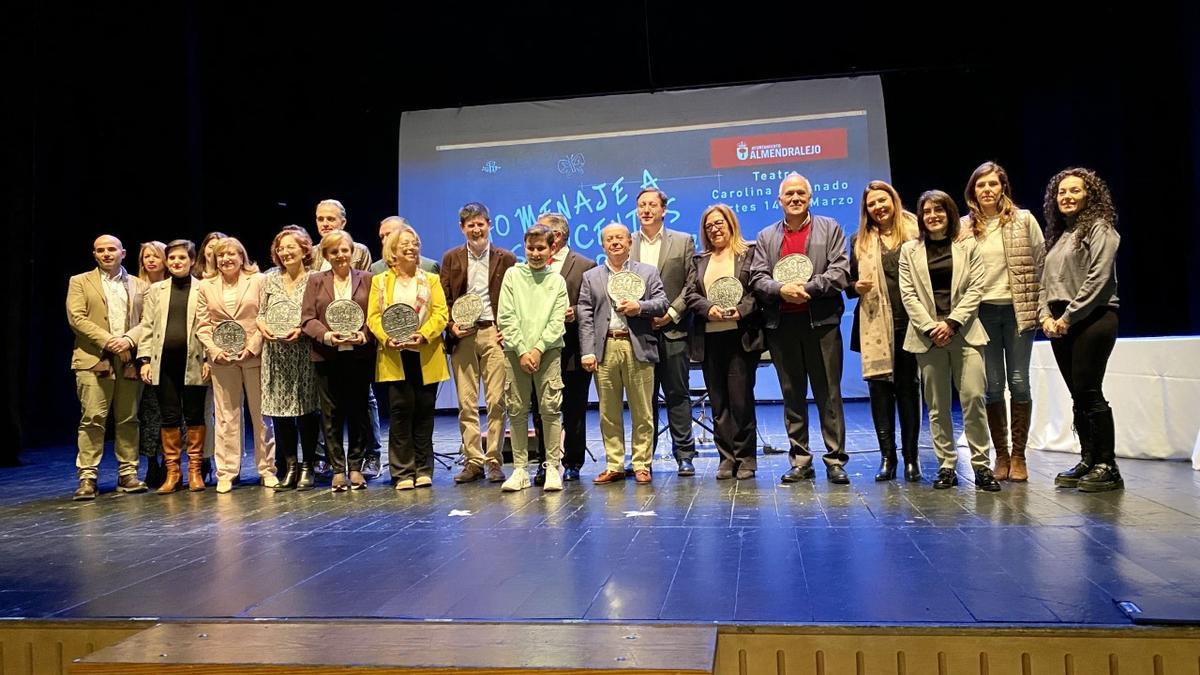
1012	247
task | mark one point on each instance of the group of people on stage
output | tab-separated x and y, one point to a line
943	302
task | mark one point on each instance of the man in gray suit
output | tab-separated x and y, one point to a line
619	344
803	322
672	253
387	226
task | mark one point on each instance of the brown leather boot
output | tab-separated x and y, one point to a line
1020	434
195	454
997	417
172	445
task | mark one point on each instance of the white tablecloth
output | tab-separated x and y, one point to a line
1153	386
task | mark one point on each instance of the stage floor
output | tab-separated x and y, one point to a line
681	550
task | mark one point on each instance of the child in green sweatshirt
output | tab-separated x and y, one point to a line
533	308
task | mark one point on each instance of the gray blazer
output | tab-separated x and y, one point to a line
150	332
966	290
831	271
595	310
675	259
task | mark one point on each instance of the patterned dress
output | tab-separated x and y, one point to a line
289	384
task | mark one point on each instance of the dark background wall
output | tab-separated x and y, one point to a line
164	120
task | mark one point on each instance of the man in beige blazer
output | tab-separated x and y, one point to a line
103	305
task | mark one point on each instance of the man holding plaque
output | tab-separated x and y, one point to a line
800	269
471	277
616	304
103	305
672	253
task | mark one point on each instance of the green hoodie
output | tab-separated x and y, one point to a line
533	308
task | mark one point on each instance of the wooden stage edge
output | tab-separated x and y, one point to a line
104	647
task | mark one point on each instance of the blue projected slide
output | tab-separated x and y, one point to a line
588	158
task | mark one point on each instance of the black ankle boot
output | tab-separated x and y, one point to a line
154	472
290	477
1083	431
887	467
1102	478
912	465
305	480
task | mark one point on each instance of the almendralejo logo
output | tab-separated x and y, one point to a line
743	151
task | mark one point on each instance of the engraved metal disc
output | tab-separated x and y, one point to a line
626	286
400	321
344	316
282	317
726	292
230	337
466	309
794	268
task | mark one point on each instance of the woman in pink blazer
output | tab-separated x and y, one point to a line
233	295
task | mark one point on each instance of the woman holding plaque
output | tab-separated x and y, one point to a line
206	268
1078	312
171	364
941	281
1012	249
726	337
228	313
152	269
407	313
334	316
288	380
880	323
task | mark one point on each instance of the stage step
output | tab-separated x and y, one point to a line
408	648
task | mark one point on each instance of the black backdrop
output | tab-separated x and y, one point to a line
164	120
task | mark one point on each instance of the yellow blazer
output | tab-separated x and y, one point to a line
87	314
388	367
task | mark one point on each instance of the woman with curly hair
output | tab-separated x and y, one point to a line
880	323
1077	308
1011	246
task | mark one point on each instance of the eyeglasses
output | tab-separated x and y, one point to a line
715	225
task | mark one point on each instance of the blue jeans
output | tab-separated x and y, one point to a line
1006	355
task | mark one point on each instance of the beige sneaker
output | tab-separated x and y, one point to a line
423	481
270	481
554	481
404	484
224	485
519	480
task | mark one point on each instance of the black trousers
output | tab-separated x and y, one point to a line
671	378
729	375
1082	357
901	395
411	405
294	432
342	385
806	354
179	404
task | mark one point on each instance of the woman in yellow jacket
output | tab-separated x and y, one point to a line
413	367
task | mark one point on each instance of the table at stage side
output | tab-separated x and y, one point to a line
1153	386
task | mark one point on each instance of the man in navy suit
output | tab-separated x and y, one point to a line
803	322
619	344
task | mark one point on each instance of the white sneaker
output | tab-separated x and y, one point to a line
553	478
519	480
